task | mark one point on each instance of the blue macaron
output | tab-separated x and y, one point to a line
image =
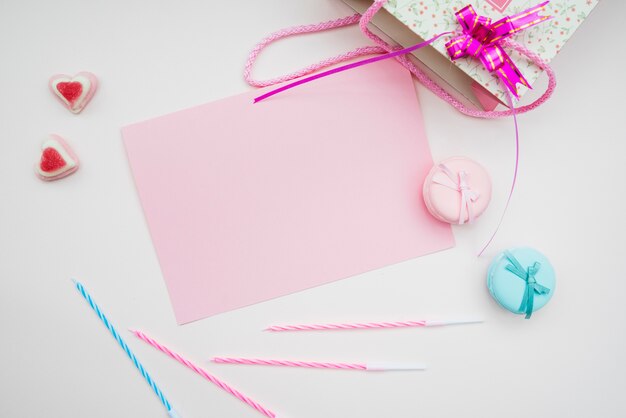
521	280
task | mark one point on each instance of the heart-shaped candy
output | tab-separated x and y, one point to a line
57	159
74	92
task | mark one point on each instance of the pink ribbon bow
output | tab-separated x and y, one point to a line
468	196
482	39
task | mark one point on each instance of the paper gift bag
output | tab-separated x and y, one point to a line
409	22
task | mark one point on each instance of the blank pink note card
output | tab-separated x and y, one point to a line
247	202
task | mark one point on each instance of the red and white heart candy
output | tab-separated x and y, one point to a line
74	92
57	159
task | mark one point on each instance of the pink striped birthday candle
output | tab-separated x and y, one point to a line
219	383
368	325
372	366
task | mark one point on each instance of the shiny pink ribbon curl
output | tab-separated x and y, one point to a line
482	39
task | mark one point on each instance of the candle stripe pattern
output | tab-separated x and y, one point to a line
355	326
205	374
286	363
122	343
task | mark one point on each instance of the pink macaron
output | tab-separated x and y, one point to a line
457	190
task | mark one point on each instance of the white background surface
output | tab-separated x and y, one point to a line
154	57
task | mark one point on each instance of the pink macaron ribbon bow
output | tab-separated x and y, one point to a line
460	184
482	39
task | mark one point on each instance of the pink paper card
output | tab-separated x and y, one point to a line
246	202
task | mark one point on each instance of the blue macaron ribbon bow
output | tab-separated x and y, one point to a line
528	275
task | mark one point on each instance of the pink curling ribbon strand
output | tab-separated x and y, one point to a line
468	196
368	325
349	67
205	374
482	39
513	182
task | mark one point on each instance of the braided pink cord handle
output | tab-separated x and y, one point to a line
287	363
383	47
205	374
354	326
298	30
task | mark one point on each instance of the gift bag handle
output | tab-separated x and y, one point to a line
299	30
